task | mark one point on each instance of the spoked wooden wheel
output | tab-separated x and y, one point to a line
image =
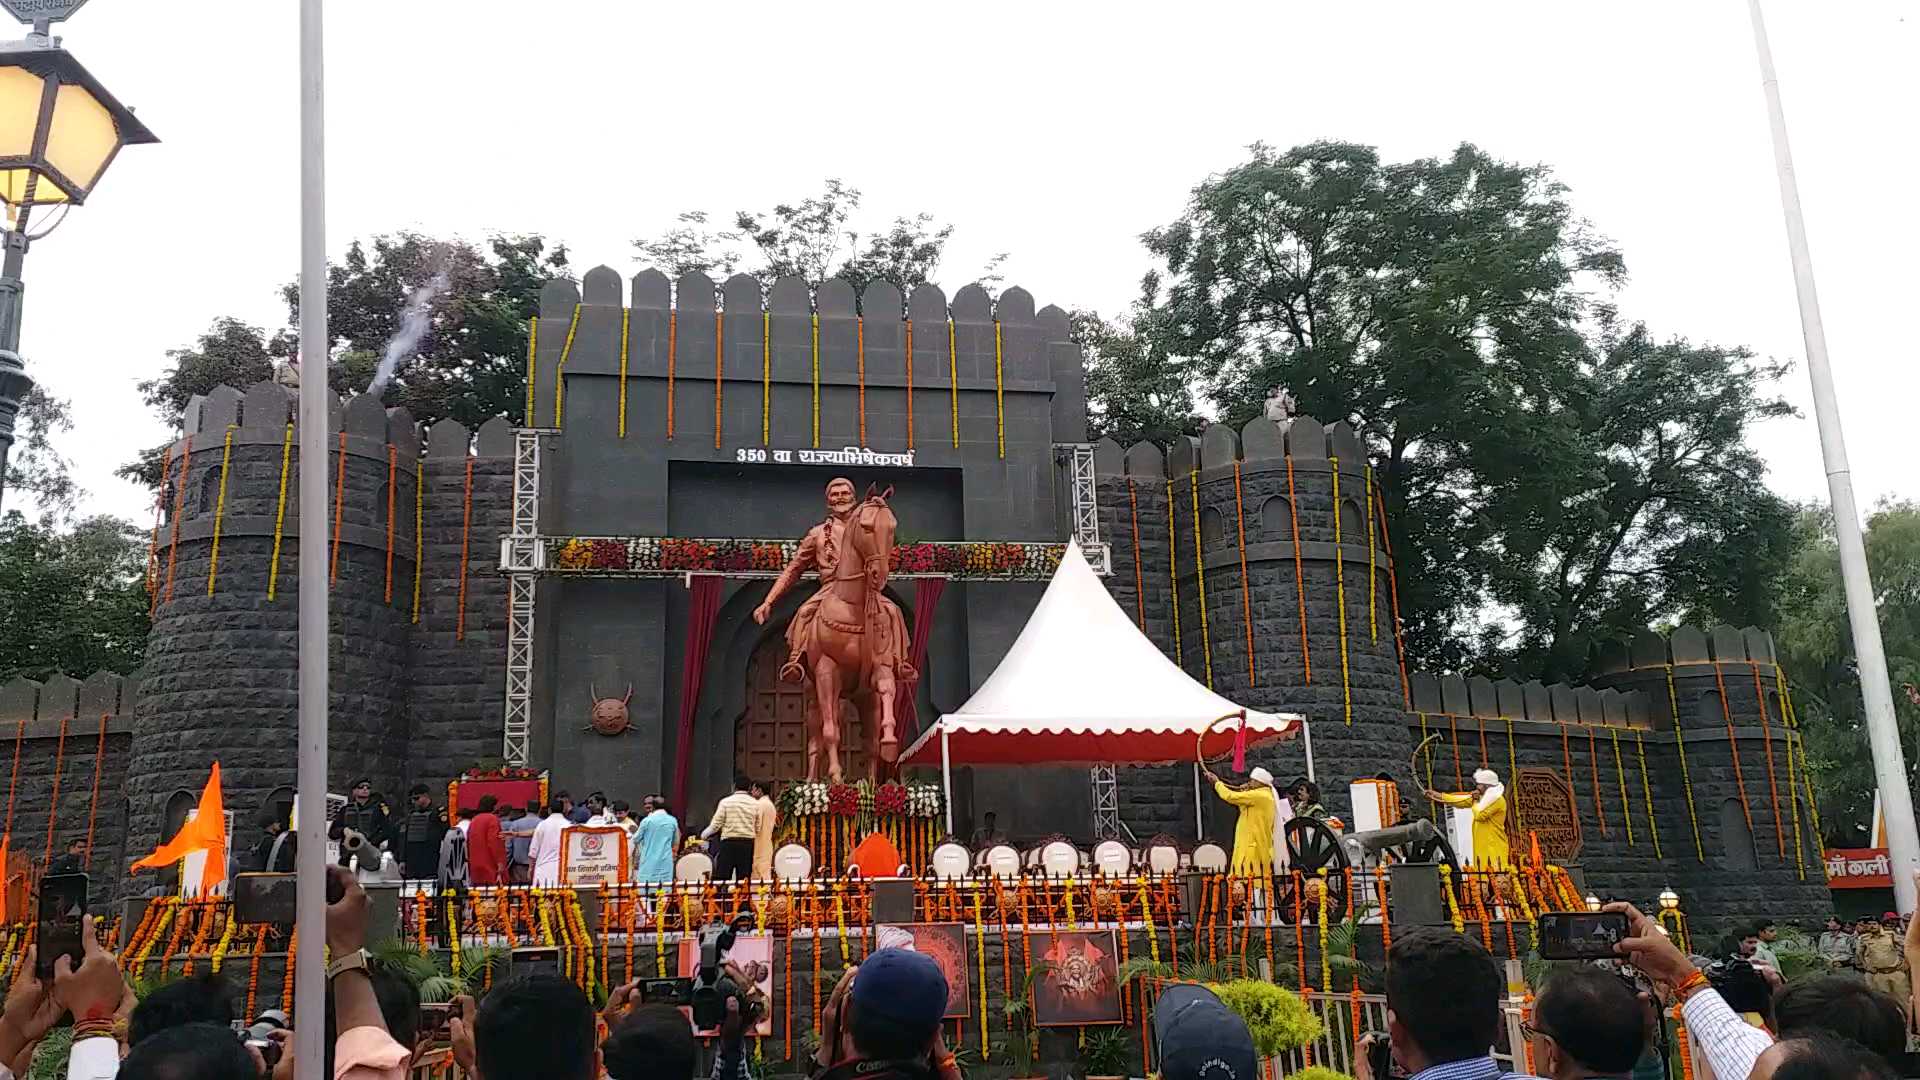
1312	845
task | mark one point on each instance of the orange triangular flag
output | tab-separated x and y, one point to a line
1534	841
206	832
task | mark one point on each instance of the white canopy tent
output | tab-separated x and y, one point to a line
1083	685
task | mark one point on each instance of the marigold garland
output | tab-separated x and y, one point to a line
253	967
1513	770
1373	616
1733	747
226	941
1299	934
1173	574
953	382
1593	768
1326	964
1620	773
1453	904
1793	795
1680	1042
1393	590
339	503
1773	785
419	530
1340	584
1200	575
93	800
533	367
673	357
840	919
1486	760
1792	721
999	391
53	803
466	535
393	474
816	381
980	952
906	361
1299	576
1686	777
620	422
660	932
1646	791
220	514
286	974
159	514
1526	909
719	352
179	511
1246	587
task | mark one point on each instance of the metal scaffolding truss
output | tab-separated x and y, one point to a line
522	557
1078	457
1106	802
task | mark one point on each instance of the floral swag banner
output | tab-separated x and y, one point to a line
649	556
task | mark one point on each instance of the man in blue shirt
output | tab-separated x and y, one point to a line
1443	1008
653	845
518	828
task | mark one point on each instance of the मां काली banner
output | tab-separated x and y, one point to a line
1859	868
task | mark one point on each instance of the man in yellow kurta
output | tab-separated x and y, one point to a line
1488	801
1253	834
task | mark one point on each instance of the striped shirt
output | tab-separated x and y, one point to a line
736	818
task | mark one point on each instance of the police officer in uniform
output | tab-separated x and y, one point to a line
420	834
363	814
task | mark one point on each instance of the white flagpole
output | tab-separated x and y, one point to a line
1883	733
310	986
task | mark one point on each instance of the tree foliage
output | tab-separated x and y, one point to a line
72	600
814	238
1815	643
1550	474
35	467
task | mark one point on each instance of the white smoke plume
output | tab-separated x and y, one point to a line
414	321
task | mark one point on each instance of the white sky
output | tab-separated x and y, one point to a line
1056	132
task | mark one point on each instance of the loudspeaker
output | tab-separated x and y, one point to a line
1416	896
892	901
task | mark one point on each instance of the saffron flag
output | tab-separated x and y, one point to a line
207	831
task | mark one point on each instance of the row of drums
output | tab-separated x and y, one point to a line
1054	858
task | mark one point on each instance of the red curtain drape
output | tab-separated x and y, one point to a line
926	596
703	607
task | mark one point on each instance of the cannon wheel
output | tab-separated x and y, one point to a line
1311	844
1434	849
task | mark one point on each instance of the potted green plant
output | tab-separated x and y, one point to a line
1021	1050
432	975
1105	1053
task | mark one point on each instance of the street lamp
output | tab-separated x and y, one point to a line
1593	903
1669	900
59	130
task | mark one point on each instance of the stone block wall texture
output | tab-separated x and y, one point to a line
65	732
411	699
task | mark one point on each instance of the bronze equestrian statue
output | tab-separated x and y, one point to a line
848	641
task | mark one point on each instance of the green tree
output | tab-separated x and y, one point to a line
814	239
35	468
1549	475
72	600
230	352
1134	390
1816	648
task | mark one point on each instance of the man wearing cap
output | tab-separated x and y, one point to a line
1254	835
363	814
1879	957
883	1022
1199	1038
1488	801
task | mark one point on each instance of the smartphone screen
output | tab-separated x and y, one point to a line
265	898
434	1016
1581	935
63	900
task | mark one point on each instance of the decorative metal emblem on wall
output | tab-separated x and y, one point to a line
609	715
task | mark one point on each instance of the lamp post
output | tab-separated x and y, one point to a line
59	130
1593	903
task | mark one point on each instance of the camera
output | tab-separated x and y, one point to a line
713	984
259	1034
1380	1057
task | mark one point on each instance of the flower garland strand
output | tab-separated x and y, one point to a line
1686	777
953	382
814	337
220	515
1793	734
53	803
1299	575
253	968
673	357
339	502
1773	785
1340	580
1200	575
980	951
1393	591
1173	573
1373	615
1593	767
1793	789
719	353
1326	963
999	391
179	511
1453	903
1139	580
1620	773
533	366
1646	792
286	972
860	369
906	361
560	368
226	941
160	513
93	800
1733	747
1246	587
620	413
1513	770
466	535
419	531
393	474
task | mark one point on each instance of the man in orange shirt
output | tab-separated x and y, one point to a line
486	846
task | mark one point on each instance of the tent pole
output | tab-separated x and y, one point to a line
1199	829
946	776
1306	738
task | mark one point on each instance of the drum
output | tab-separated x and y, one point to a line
1209	857
1163	859
693	866
950	862
1059	859
1112	858
1003	861
792	862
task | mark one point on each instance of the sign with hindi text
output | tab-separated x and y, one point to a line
849	455
1859	868
1540	803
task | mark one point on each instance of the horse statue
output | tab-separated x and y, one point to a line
848	642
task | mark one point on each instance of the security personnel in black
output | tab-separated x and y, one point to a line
363	814
420	833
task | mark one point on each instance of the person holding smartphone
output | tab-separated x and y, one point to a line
883	1022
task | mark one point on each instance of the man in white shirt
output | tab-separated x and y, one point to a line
545	850
1729	1044
736	821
